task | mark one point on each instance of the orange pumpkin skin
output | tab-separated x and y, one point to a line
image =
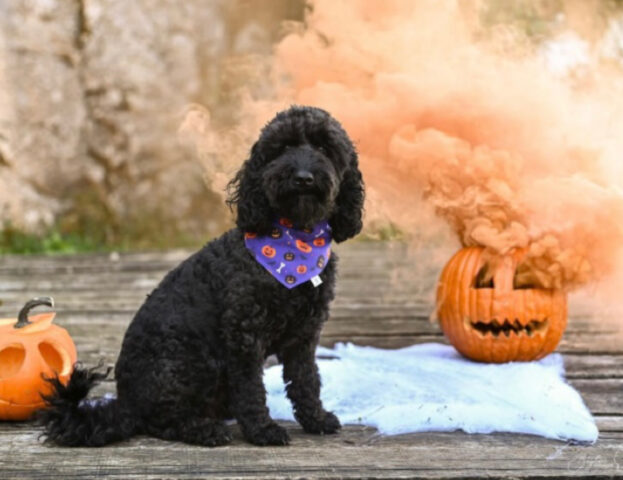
25	354
536	318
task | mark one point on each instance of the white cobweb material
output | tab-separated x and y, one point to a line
430	387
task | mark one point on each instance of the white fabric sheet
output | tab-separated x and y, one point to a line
430	387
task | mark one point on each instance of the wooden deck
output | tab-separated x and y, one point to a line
384	299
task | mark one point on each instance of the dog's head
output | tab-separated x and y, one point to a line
305	168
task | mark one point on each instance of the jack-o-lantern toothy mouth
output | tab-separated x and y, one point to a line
496	328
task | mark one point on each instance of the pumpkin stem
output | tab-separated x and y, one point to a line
22	316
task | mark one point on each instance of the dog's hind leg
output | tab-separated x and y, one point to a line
180	395
189	416
197	431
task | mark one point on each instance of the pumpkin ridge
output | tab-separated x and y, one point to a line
455	305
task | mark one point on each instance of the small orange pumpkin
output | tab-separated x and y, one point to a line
319	242
30	348
302	246
301	269
495	322
268	251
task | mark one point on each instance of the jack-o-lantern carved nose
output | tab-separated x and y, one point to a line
303	178
484	279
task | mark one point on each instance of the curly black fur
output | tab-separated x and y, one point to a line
193	355
76	423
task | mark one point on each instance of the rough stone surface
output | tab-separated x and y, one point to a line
41	109
92	93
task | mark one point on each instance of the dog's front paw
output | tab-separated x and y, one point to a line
326	423
271	434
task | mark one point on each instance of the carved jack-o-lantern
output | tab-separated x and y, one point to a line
268	251
302	246
30	348
492	321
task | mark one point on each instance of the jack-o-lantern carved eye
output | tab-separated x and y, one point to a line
52	357
492	311
11	360
521	279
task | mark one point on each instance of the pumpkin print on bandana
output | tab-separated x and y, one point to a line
291	255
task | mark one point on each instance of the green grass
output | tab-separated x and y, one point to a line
13	240
56	241
90	225
385	232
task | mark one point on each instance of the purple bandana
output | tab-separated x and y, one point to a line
292	256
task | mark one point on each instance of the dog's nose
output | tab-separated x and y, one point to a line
303	178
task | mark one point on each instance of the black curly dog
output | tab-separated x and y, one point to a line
194	353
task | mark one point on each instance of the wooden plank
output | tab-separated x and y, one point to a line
580	366
603	395
609	423
356	452
346	314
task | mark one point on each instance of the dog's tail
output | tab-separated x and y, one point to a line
72	421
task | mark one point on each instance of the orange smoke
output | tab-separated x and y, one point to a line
507	153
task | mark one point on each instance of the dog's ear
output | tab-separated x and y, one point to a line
247	195
345	221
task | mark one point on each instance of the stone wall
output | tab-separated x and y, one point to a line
91	95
